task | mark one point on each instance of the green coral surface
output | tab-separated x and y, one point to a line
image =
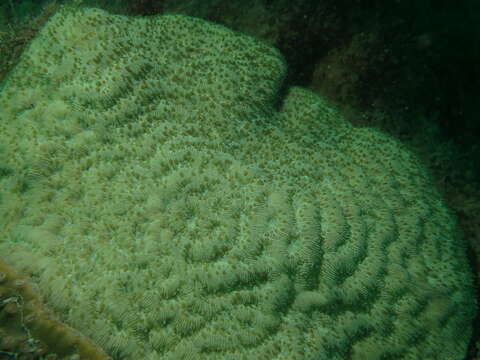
173	201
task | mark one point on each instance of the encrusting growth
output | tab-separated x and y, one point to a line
171	200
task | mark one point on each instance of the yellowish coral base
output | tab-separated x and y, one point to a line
27	326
